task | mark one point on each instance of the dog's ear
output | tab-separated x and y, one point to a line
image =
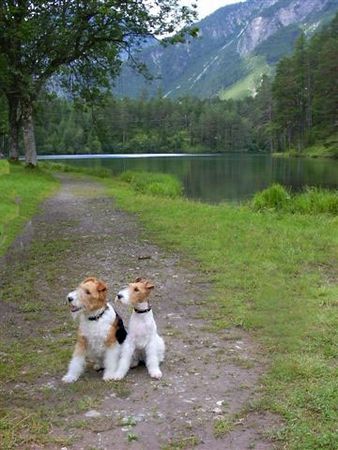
101	286
138	280
89	279
149	285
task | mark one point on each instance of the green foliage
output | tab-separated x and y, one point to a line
157	184
276	197
315	201
312	201
140	126
304	91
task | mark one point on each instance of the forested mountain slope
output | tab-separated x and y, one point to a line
236	45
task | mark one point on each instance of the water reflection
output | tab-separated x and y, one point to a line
235	177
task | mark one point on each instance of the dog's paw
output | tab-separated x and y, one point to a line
69	378
108	376
117	376
157	374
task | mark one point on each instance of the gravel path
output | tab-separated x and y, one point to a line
209	379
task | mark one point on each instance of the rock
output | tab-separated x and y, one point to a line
92	413
217	411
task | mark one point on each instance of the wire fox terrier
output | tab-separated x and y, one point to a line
101	331
142	343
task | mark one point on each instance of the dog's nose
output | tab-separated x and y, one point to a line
70	298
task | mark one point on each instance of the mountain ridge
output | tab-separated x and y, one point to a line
218	59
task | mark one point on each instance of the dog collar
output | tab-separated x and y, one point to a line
99	315
141	311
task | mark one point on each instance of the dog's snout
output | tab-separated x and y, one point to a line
70	298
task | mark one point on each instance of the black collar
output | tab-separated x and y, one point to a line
141	311
99	315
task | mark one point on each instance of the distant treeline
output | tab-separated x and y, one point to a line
137	126
296	109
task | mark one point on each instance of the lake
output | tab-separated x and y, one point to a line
222	177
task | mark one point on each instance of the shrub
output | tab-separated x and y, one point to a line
312	201
316	201
274	197
157	184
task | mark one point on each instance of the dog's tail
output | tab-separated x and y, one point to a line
121	332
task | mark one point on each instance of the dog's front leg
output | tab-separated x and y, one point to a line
78	362
127	352
111	361
152	361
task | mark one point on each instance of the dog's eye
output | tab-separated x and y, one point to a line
87	292
136	289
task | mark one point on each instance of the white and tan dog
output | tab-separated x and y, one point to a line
100	332
142	343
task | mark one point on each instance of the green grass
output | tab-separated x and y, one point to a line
4	167
155	184
50	166
222	427
22	190
311	201
248	85
325	149
275	273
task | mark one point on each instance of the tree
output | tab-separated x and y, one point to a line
82	41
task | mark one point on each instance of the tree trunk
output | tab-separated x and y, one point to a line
14	123
28	136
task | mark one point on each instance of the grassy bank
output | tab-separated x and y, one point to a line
274	273
326	149
21	191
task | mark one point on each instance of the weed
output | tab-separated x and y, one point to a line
182	443
222	427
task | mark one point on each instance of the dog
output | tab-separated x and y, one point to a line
101	331
142	342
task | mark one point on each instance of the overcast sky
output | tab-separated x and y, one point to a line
206	7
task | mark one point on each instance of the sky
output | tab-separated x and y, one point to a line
206	7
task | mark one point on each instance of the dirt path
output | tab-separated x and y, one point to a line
209	379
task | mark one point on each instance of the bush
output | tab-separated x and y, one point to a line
157	184
275	197
312	201
316	201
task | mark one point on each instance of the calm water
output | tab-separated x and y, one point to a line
215	178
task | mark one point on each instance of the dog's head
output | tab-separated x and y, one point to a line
89	296
136	292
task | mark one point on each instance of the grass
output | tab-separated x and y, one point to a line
156	184
22	190
325	149
222	427
275	274
311	201
249	84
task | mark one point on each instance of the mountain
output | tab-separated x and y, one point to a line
236	45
